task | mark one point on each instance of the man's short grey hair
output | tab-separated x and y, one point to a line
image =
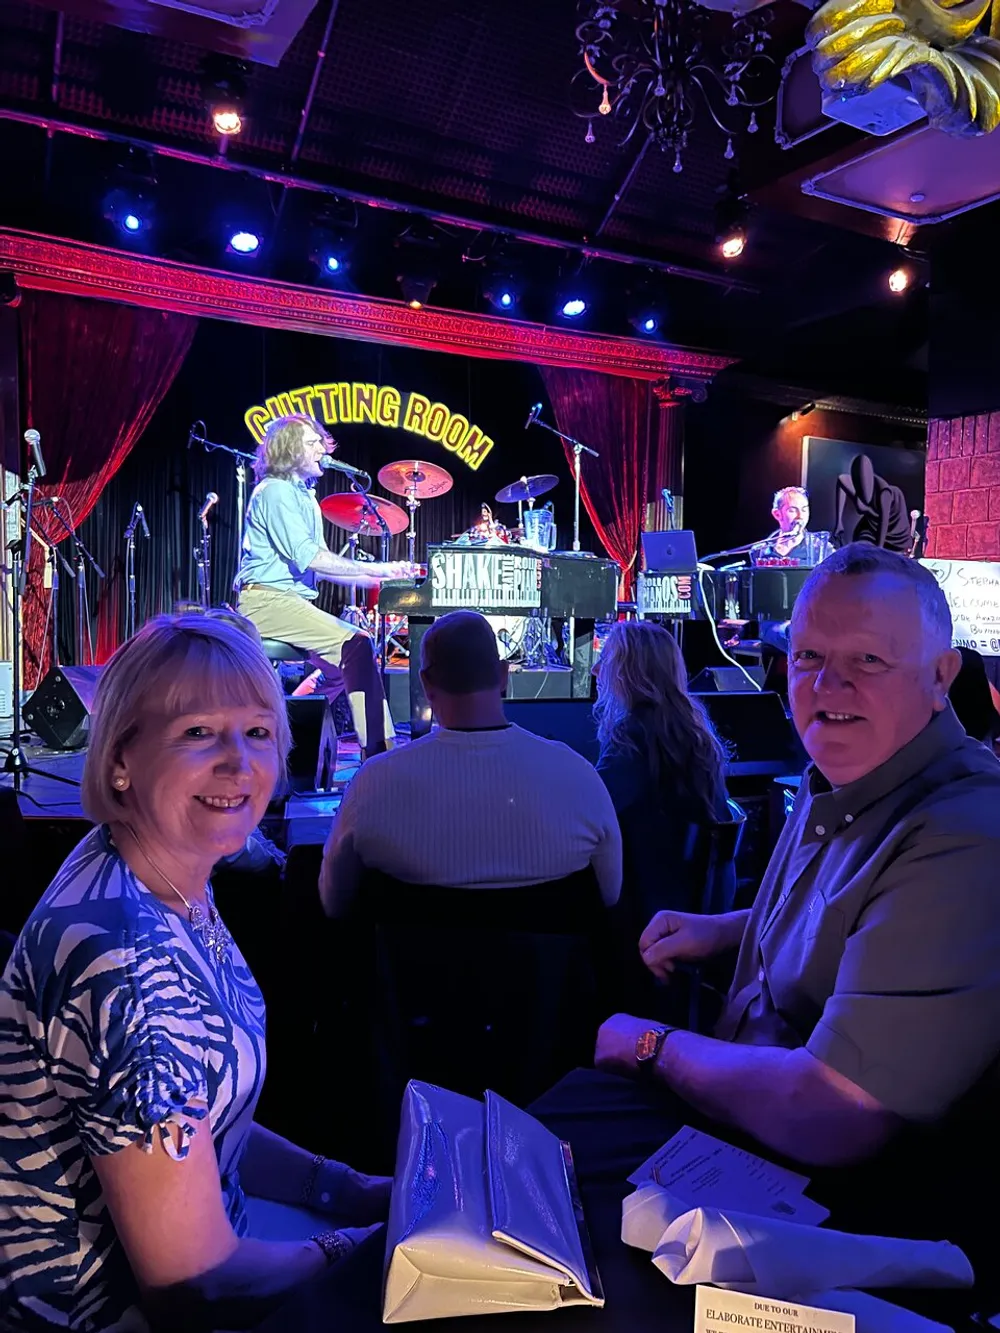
786	493
860	558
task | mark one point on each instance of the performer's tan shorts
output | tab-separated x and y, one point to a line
293	619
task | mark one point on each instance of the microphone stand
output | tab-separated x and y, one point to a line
578	449
370	507
241	459
84	637
54	557
15	761
203	560
130	623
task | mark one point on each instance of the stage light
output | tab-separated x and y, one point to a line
574	307
331	241
227	120
243	243
899	280
645	307
503	291
225	93
416	290
731	213
129	210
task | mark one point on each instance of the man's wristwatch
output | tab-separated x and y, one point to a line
648	1046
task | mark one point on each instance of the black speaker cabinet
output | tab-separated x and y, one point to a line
719	679
59	710
313	759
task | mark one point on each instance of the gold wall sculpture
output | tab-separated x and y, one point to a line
948	54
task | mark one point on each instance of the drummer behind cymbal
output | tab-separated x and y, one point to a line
285	555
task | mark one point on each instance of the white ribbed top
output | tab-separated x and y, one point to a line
474	809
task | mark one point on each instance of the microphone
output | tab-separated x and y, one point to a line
34	442
329	464
210	499
142	518
533	415
193	433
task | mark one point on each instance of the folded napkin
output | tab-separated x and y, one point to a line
782	1260
872	1315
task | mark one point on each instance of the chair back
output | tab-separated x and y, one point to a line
710	856
482	988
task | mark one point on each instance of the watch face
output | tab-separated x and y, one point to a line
648	1044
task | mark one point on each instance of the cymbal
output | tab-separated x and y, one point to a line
347	511
528	488
422	481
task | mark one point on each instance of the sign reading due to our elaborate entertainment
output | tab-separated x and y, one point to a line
463	578
377	405
972	588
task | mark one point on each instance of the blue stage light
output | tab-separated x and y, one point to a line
244	242
132	222
649	324
506	300
575	306
332	264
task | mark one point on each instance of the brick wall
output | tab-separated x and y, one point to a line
962	492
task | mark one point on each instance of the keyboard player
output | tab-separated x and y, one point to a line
792	544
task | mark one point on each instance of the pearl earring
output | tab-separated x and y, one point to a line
120	783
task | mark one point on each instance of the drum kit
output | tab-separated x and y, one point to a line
416	481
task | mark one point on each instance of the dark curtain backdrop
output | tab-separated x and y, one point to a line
232	367
620	419
94	374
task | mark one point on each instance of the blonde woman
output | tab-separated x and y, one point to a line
132	1032
660	759
284	556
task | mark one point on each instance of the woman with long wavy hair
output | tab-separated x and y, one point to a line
661	761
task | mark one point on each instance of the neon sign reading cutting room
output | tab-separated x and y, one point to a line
377	405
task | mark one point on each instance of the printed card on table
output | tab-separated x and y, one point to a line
718	1311
702	1171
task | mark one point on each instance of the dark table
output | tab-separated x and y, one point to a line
612	1125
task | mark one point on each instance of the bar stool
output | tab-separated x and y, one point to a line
275	650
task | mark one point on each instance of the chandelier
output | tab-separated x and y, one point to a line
645	60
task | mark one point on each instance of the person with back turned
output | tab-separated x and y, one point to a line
284	556
477	804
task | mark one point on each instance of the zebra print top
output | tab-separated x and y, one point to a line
115	1022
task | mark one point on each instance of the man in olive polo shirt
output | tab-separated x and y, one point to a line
866	1001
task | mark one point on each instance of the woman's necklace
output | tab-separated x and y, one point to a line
209	925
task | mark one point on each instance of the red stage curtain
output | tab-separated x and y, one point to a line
619	418
95	372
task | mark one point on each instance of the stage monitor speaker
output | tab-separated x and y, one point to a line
716	679
568	720
58	712
312	762
761	739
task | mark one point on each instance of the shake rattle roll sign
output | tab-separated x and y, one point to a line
377	405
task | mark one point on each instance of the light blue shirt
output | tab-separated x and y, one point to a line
282	536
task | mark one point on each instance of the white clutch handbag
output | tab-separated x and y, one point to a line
485	1216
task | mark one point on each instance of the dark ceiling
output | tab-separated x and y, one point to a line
461	108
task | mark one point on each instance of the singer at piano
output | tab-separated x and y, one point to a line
284	555
793	544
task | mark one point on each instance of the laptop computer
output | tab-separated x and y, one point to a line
669	552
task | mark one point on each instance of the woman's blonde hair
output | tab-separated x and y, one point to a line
644	706
177	664
281	451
